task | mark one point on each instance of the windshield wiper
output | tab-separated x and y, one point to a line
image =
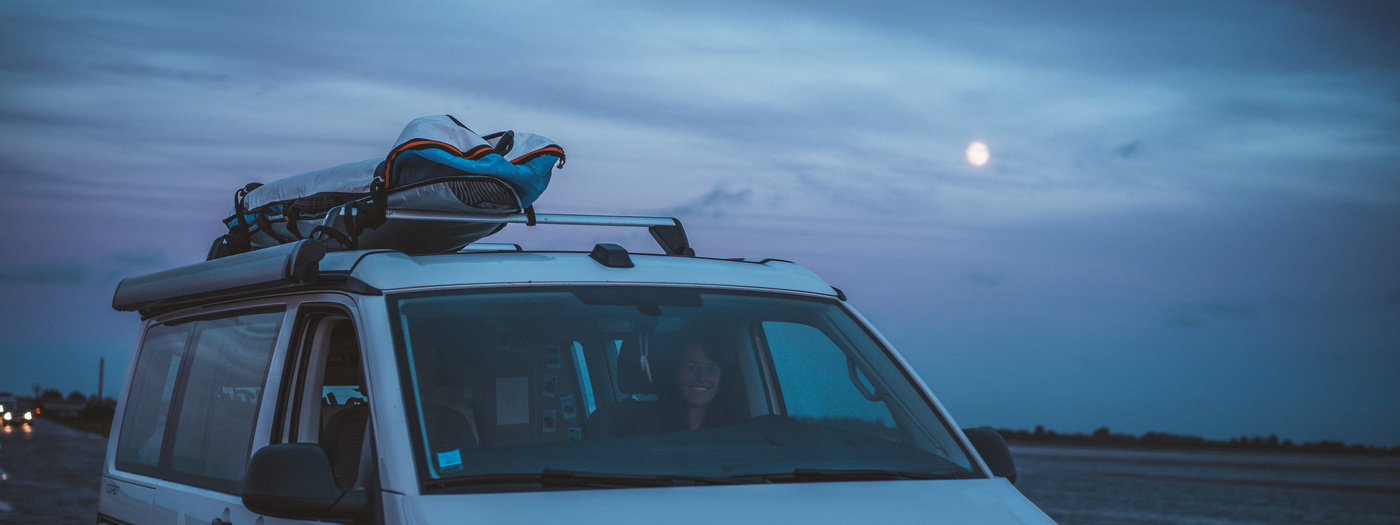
571	478
554	478
811	474
518	478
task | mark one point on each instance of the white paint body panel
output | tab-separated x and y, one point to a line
393	271
972	502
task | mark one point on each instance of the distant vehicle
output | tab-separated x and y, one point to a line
16	412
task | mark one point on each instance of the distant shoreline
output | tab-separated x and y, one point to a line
97	419
1103	437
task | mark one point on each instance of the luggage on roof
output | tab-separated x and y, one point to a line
436	165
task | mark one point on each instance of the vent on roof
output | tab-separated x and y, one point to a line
611	255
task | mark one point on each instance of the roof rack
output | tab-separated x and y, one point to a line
667	231
297	264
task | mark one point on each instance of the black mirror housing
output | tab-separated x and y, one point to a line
992	447
295	481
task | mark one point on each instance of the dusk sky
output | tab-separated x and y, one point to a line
1189	221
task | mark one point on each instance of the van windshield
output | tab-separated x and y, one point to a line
528	389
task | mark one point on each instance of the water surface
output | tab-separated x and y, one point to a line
1091	486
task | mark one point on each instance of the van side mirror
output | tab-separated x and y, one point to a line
994	452
295	481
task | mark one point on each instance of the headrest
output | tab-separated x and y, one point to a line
342	339
631	376
343	355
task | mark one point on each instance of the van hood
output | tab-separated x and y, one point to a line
981	502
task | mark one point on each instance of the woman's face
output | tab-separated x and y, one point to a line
698	378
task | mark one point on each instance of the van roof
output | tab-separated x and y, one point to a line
305	266
391	270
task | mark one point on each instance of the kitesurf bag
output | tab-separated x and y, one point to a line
436	165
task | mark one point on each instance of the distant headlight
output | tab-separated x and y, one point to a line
28	416
8	416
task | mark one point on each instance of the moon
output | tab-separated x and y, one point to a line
977	154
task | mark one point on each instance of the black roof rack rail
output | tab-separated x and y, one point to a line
290	265
667	231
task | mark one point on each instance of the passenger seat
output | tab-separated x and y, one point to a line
611	420
343	440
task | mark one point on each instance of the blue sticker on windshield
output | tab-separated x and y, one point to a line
449	461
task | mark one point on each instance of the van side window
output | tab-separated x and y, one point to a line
328	403
193	401
148	403
344	405
214	429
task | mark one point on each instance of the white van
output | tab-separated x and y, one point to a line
496	385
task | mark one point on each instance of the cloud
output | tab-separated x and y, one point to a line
1197	315
1128	150
985	278
715	203
139	258
873	191
113	266
58	272
1392	299
137	69
1365	28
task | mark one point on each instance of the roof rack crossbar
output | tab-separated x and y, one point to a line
667	231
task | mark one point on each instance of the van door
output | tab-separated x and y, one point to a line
327	399
206	390
212	417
